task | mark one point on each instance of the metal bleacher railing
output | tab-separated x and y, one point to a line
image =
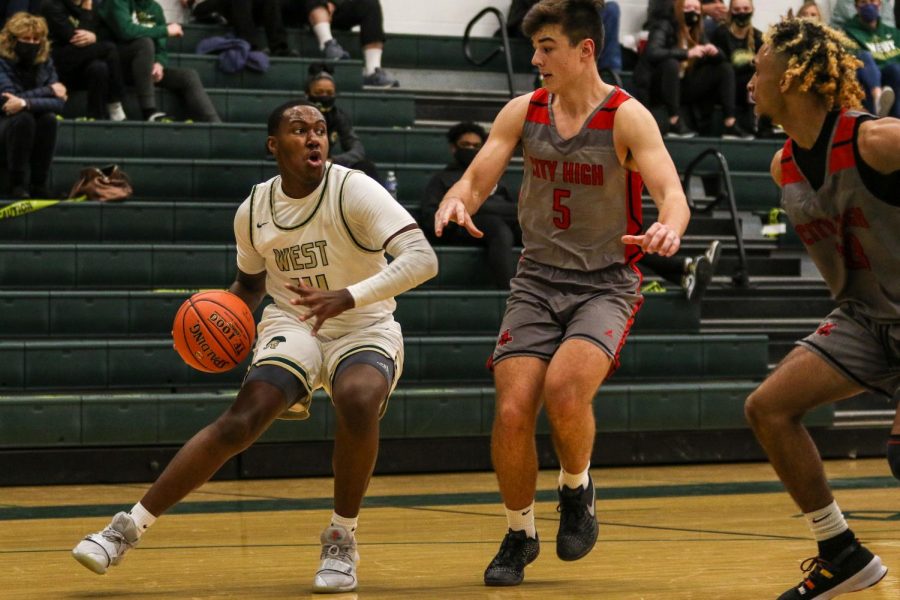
505	49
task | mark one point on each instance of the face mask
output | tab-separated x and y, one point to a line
465	156
691	18
323	103
868	13
27	52
741	19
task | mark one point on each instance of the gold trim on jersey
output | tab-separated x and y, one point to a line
344	220
250	220
309	218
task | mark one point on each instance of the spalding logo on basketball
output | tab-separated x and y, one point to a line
213	331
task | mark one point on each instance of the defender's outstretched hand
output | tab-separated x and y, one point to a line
453	209
659	239
321	304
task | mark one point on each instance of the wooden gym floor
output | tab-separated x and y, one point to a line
710	532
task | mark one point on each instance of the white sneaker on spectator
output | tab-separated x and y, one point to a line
99	551
116	112
159	117
885	102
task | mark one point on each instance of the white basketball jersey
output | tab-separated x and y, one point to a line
331	239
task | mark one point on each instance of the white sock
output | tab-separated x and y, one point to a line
372	56
142	517
827	522
522	520
116	112
574	481
323	33
345	522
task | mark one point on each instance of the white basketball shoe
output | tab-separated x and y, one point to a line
337	571
99	551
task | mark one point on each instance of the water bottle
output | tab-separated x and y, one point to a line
390	184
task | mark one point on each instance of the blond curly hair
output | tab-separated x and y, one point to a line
819	60
23	24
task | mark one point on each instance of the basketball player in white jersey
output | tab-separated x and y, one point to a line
314	238
839	173
587	145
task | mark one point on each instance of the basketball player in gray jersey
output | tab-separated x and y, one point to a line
839	173
587	146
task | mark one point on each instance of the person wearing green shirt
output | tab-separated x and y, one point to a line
882	41
139	28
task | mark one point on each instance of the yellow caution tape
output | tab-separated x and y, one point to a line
23	207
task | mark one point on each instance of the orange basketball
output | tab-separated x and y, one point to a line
213	331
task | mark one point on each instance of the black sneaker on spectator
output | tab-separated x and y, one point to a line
679	130
735	132
19	192
159	117
335	51
380	79
769	133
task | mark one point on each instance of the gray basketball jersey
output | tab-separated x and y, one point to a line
851	235
577	200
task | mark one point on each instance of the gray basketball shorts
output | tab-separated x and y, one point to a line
548	305
865	352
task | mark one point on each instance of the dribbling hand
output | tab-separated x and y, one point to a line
453	209
659	239
321	304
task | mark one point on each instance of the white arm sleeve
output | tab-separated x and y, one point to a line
249	260
414	263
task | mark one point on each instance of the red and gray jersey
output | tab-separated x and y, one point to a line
851	235
577	200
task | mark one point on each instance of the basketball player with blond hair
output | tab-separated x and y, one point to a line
839	173
587	147
314	238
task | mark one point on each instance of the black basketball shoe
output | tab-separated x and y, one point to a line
578	525
516	552
854	569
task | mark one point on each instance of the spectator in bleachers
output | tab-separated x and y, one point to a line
609	58
82	61
246	16
321	90
679	66
809	10
882	42
497	217
692	273
844	11
322	15
739	40
32	96
140	30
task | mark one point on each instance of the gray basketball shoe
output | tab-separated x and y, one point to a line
337	571
99	551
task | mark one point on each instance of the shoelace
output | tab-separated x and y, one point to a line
116	537
811	567
342	553
575	510
510	552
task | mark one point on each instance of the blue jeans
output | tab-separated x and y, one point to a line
890	76
611	56
869	77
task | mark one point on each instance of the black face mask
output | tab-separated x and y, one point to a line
691	18
741	19
27	52
465	156
323	103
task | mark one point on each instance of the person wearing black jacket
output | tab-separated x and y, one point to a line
497	218
31	97
82	61
321	91
246	16
679	67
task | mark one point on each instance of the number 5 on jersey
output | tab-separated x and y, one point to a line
564	215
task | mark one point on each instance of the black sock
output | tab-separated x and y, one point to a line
831	547
893	454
